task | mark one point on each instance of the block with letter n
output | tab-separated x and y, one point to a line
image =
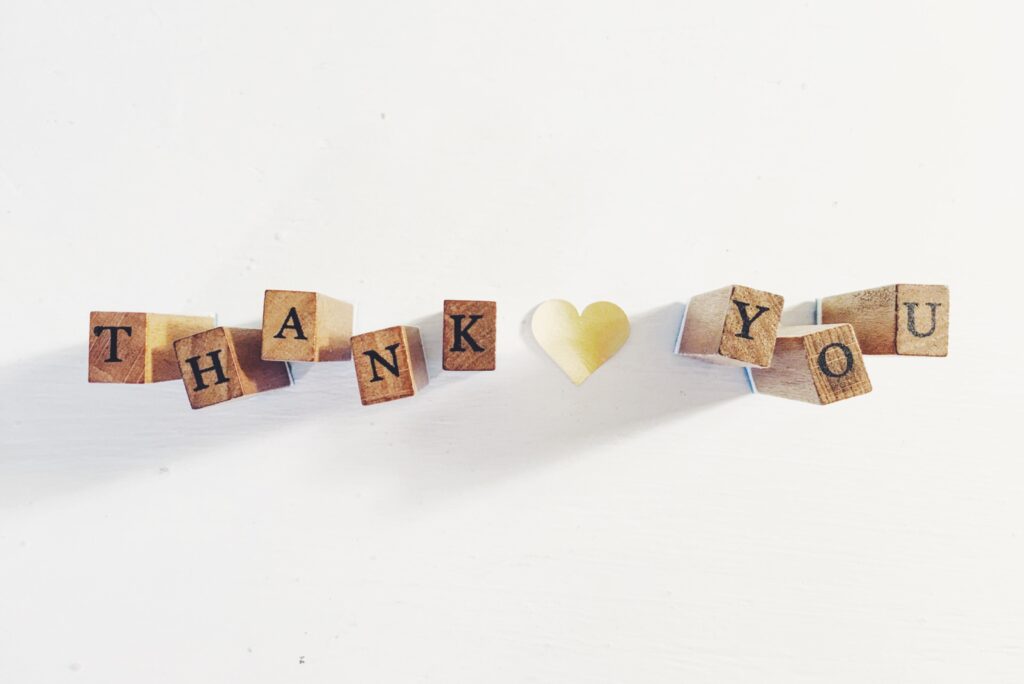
389	364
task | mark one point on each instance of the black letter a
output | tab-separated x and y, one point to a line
376	358
293	315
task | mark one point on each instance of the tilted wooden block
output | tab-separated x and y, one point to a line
138	347
820	364
224	363
912	320
305	326
734	325
389	364
470	335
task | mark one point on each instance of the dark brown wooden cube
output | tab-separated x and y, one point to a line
469	335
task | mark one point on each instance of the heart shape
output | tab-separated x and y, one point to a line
579	343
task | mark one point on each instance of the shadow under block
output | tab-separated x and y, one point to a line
912	320
734	325
305	326
469	335
224	363
389	364
820	364
138	347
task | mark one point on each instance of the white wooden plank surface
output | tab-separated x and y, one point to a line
657	524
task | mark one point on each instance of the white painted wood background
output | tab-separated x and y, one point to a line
657	524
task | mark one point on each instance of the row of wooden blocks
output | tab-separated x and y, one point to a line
219	363
820	363
734	325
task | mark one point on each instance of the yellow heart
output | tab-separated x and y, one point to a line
580	343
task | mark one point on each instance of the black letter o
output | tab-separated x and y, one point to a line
823	362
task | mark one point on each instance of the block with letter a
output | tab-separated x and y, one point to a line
305	326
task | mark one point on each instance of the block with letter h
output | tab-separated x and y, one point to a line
911	320
734	325
225	363
820	364
134	348
389	364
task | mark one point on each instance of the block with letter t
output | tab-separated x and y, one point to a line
305	326
225	363
911	320
389	364
138	347
820	364
733	325
469	335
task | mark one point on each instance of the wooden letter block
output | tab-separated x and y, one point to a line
820	364
305	326
912	320
224	363
735	325
138	347
470	334
389	364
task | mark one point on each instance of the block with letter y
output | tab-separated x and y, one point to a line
733	325
224	363
389	364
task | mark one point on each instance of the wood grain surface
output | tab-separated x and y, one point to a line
478	320
389	364
820	364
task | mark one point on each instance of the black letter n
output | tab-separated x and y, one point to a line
376	358
197	372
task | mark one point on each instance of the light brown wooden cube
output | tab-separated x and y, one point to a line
820	364
734	325
305	326
389	364
138	347
911	320
469	335
224	363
